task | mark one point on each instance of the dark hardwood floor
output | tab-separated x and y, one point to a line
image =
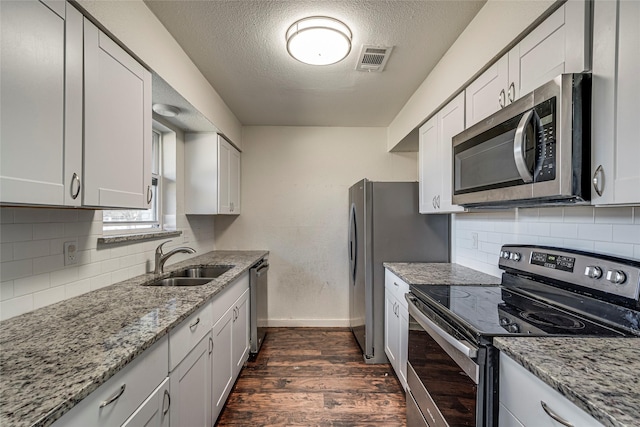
314	377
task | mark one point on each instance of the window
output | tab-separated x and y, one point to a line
139	219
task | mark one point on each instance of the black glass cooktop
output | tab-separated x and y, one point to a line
499	311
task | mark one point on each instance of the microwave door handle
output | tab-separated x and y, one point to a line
519	148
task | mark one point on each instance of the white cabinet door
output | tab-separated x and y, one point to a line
234	180
224	154
391	339
191	387
240	334
558	45
212	174
41	103
154	412
528	408
487	94
222	362
436	157
616	90
117	125
429	166
450	123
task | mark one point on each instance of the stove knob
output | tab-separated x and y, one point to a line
504	321
593	272
515	256
616	277
505	254
513	328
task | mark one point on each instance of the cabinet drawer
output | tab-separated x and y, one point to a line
132	385
527	408
396	286
188	334
229	296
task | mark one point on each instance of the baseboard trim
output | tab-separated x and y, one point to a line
308	323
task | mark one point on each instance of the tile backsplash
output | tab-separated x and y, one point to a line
478	236
32	270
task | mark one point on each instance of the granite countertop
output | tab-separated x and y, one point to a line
52	358
415	273
599	375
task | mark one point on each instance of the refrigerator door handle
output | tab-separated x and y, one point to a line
353	242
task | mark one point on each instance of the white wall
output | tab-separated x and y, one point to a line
32	271
295	183
613	231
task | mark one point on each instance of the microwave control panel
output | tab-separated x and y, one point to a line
545	169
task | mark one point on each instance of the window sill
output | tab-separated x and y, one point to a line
138	237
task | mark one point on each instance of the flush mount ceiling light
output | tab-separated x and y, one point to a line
319	40
166	110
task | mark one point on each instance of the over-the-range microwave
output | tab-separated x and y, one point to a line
536	151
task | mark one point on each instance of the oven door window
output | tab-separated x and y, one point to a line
453	392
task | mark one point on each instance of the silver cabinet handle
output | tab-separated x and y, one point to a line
598	180
114	397
501	99
438	201
519	147
194	324
149	194
555	416
511	94
396	284
166	396
75	178
210	345
433	202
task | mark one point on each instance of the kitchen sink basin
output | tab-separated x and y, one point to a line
210	272
180	281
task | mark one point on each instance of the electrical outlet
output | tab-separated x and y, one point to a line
474	240
71	252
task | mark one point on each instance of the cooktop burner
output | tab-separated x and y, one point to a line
557	320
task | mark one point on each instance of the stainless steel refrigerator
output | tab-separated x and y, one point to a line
385	226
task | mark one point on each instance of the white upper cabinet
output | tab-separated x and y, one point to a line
41	103
117	138
616	91
61	76
558	45
212	174
436	157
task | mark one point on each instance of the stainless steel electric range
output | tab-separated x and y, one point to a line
452	364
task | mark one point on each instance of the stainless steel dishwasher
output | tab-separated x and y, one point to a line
258	303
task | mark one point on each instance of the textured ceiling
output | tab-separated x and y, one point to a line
239	46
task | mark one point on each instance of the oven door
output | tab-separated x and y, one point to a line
442	374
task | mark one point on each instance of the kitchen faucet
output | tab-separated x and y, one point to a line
161	258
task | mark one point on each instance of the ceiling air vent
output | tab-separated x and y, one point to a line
373	58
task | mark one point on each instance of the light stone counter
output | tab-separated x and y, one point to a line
52	358
415	273
599	375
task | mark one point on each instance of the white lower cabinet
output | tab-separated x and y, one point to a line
230	341
154	412
396	325
191	387
526	401
117	399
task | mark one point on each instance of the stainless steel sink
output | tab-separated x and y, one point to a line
180	281
210	272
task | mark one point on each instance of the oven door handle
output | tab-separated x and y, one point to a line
437	332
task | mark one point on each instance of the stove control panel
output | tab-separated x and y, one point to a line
609	274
